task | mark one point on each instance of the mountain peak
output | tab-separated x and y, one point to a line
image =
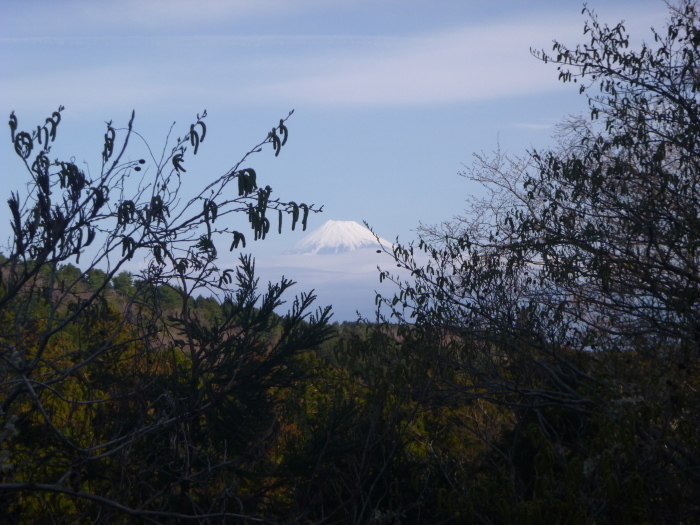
337	237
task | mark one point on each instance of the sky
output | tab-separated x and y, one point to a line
391	97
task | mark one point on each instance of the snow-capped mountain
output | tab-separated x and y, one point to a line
339	262
337	237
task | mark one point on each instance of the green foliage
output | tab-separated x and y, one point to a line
123	284
68	274
96	279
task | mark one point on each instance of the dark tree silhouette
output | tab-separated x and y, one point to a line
147	410
571	294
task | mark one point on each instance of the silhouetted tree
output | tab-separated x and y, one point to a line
149	411
571	295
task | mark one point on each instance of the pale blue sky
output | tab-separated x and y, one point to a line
390	96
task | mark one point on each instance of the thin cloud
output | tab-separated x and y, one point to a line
533	126
463	65
470	63
79	17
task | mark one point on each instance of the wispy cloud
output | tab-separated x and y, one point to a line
80	17
534	126
462	65
469	63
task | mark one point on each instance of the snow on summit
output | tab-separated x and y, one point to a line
337	237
